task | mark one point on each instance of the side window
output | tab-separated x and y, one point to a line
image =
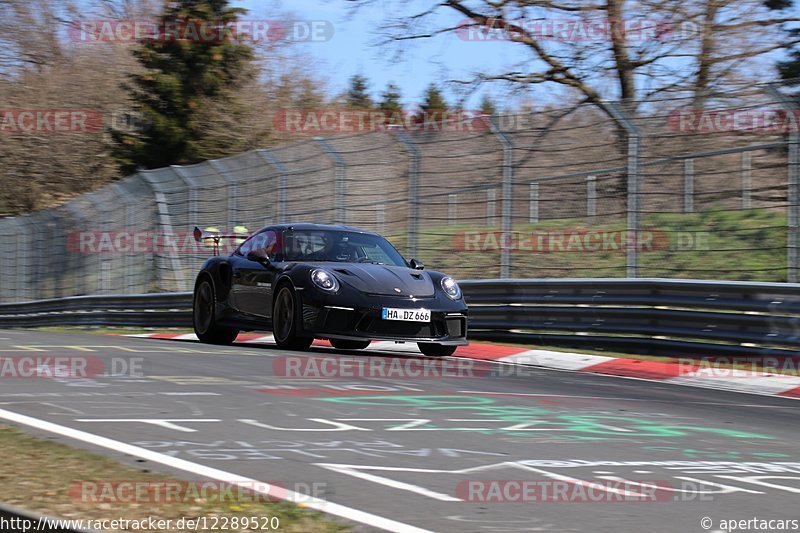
264	244
246	246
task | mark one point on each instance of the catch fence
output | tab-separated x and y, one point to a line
663	190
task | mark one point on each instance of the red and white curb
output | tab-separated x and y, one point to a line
707	374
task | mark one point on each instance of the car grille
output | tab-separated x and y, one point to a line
310	314
372	325
455	326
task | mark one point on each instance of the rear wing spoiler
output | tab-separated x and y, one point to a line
214	236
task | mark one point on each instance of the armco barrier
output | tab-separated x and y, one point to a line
657	316
146	310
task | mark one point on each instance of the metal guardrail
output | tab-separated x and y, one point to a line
173	309
656	316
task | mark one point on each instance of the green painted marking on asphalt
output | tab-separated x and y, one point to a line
525	419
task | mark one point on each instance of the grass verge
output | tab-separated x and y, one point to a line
41	475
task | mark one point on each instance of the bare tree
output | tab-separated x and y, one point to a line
41	68
634	50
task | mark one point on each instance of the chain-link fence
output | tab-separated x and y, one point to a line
662	190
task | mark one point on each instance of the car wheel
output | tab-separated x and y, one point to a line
285	320
432	349
344	344
204	318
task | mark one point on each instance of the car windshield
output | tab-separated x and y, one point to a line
339	246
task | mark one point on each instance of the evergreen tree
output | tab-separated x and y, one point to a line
390	99
186	89
789	69
434	100
358	95
390	104
432	109
488	106
309	96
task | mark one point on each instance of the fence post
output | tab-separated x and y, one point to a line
413	191
129	224
12	252
380	217
283	177
25	250
165	222
633	185
80	281
591	197
533	205
188	182
688	185
507	193
8	253
340	187
233	193
43	253
103	285
794	186
191	186
491	197
746	180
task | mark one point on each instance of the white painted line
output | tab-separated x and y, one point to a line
213	473
185	337
164	423
393	483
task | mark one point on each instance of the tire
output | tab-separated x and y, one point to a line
344	344
432	349
204	318
285	321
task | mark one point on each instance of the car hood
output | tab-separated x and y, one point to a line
384	279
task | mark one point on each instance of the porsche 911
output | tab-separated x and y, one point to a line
344	284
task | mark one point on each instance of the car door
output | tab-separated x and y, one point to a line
253	274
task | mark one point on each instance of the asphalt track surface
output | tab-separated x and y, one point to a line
423	452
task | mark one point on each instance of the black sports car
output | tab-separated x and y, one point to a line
306	281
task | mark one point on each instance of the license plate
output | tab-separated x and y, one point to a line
406	315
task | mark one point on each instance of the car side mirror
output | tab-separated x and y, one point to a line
416	265
258	258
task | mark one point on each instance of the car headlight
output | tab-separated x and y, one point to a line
324	280
451	288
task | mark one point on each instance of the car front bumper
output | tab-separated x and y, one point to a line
360	323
